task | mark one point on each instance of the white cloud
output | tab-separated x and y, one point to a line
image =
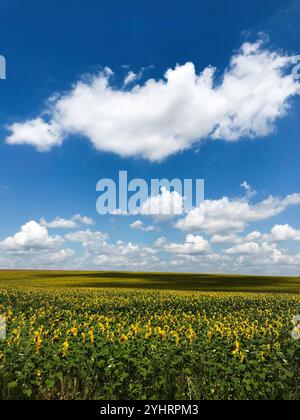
33	247
31	238
160	242
58	259
283	233
253	236
223	239
61	256
234	238
265	258
61	223
84	220
37	133
139	225
135	260
100	253
233	215
165	205
247	248
249	191
130	78
163	117
193	245
255	252
90	240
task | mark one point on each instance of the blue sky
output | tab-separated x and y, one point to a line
50	48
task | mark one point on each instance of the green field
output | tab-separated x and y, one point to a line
109	335
161	281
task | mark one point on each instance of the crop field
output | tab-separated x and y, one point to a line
153	281
74	335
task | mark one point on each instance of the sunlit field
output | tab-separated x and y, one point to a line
164	281
148	336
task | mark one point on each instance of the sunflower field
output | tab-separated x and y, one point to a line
134	344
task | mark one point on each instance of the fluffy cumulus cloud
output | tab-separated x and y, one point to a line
226	242
100	253
31	238
193	245
234	238
159	118
139	225
167	204
61	223
247	248
224	239
251	257
233	215
33	247
263	258
90	240
36	132
283	233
